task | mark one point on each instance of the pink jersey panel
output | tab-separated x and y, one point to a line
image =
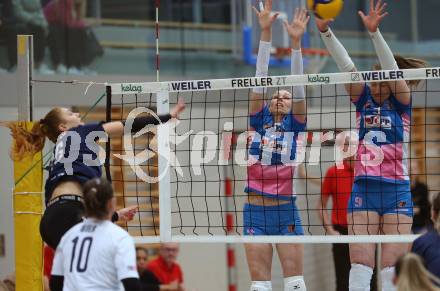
393	166
271	179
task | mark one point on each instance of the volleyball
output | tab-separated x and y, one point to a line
325	9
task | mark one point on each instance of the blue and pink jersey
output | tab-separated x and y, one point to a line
272	154
383	131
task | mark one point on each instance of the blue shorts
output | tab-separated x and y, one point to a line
381	197
272	220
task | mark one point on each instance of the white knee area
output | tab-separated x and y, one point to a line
261	286
360	278
387	275
295	283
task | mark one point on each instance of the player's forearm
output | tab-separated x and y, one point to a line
116	128
266	35
384	53
337	51
262	64
296	43
142	121
296	68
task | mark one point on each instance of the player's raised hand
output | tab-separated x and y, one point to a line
265	16
298	25
375	15
127	214
323	24
180	106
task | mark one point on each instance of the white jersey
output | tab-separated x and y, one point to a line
95	255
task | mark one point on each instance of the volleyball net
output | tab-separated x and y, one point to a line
188	176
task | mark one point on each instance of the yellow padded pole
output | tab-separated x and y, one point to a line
28	208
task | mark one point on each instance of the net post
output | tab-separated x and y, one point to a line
27	195
163	134
24	77
108	118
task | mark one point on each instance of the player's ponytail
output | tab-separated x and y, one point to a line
411	274
97	193
31	142
26	142
436	212
407	63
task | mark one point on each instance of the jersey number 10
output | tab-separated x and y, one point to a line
81	263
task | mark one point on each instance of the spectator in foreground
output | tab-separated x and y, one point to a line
165	267
411	275
427	246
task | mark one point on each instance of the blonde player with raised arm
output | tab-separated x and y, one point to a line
380	201
96	254
271	208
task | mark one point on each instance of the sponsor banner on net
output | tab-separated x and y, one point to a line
131	88
377	76
275	81
432	73
319	78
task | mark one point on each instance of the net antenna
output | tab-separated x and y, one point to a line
194	202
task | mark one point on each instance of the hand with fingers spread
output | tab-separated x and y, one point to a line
375	15
265	17
298	25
